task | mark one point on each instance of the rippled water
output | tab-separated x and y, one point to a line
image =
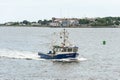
19	59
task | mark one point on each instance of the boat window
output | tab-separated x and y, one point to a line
69	49
58	49
55	49
63	49
75	49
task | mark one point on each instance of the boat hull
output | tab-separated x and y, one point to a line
58	56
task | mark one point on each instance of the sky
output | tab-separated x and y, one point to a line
34	10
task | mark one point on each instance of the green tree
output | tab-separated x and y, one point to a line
26	22
117	23
15	24
39	21
84	21
44	22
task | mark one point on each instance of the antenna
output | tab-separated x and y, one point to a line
64	36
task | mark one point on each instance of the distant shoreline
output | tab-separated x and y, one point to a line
105	22
66	27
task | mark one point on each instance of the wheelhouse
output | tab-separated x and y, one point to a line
65	49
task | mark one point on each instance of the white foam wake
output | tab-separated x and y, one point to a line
82	59
14	54
18	54
70	60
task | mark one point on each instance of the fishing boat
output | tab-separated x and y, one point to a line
63	51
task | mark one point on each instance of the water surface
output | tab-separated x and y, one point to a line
19	59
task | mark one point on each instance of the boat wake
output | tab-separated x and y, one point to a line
14	54
70	60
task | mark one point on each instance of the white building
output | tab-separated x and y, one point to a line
64	22
55	24
8	23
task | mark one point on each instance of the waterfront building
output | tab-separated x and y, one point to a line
8	23
64	22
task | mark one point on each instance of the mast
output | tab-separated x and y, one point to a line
64	40
65	37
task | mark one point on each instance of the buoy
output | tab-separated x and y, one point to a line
104	42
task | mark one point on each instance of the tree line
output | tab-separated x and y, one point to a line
105	21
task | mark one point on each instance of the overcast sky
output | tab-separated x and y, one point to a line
33	10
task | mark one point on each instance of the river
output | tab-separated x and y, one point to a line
19	60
